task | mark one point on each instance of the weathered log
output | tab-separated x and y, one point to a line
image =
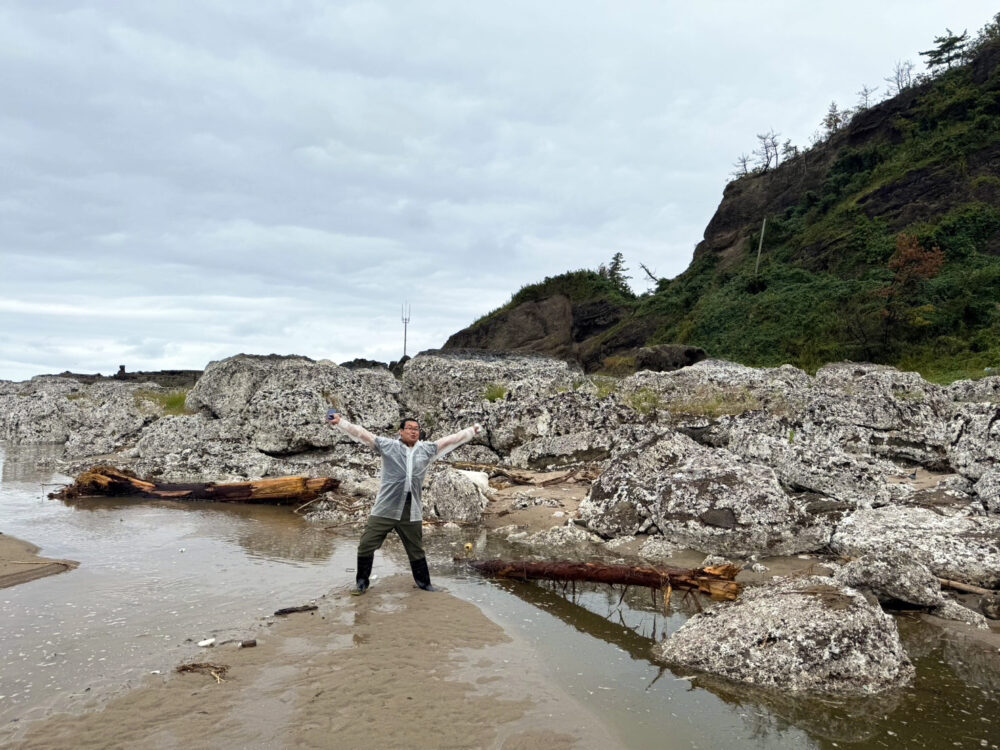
521	477
716	581
111	482
968	588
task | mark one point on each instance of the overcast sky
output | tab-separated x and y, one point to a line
183	181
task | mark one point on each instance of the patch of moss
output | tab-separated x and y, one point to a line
645	401
714	402
171	403
494	392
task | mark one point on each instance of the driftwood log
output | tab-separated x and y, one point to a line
108	481
716	581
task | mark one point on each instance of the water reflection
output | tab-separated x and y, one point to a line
953	669
26	463
266	532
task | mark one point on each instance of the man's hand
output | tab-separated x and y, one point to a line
477	428
334	421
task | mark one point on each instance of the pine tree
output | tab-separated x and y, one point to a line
616	273
950	49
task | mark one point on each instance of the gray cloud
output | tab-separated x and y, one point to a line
183	181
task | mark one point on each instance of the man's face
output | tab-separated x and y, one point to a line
410	433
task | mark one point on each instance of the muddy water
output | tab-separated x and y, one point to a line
155	578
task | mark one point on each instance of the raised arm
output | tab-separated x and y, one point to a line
353	431
450	442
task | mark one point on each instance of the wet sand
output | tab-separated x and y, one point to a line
395	668
20	562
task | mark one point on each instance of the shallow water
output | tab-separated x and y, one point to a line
154	578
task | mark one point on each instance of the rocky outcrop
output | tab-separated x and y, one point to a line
799	635
541	327
696	497
960	548
90	420
440	387
279	402
39	410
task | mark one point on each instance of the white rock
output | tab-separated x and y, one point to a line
798	635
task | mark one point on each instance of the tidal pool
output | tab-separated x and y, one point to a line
157	577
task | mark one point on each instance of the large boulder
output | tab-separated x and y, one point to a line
797	635
810	462
455	495
984	390
988	490
40	410
666	357
697	497
193	448
893	577
961	548
279	403
91	419
109	416
536	431
974	439
445	390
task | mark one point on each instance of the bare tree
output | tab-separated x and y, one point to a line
865	97
767	152
652	276
901	78
742	165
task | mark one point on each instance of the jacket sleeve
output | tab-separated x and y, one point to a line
356	433
450	442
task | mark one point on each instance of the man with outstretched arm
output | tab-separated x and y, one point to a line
397	507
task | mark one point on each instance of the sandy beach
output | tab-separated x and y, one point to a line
396	668
20	562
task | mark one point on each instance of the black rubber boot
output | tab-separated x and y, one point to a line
421	575
364	571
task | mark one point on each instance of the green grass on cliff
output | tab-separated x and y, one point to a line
578	286
826	289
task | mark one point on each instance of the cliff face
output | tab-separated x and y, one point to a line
881	244
566	317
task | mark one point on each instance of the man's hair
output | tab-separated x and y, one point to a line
403	422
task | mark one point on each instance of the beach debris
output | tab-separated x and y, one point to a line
218	671
248	643
716	581
109	481
290	610
207	643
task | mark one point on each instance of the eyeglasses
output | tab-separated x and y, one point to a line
410	429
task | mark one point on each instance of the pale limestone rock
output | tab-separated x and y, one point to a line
798	635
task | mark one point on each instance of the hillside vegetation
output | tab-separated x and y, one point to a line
882	244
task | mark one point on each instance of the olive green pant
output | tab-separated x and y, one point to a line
378	528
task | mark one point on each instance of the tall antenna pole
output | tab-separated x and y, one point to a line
405	315
760	246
